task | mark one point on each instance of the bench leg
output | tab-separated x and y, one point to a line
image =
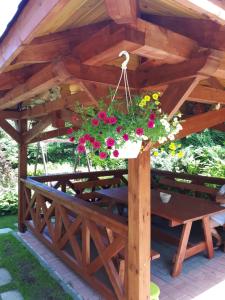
181	249
208	237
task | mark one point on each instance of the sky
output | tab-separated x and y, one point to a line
8	9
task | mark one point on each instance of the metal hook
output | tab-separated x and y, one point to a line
127	56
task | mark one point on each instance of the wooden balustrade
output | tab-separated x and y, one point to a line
90	240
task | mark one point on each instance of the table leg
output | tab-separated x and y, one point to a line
182	249
208	237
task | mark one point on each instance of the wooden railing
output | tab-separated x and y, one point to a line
89	239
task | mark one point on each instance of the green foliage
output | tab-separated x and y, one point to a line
9	203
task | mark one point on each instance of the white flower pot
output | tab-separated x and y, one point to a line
128	150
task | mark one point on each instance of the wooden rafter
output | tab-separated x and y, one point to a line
176	94
10	130
206	94
55	45
200	122
142	38
207	33
37	129
41	81
7	114
125	11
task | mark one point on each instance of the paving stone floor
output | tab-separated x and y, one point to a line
6	278
201	278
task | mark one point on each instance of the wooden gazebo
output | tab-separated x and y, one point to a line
72	46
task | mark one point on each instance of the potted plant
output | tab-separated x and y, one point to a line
118	131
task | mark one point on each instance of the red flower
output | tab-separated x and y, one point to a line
96	144
71	139
95	122
119	128
115	153
69	130
110	142
126	137
103	155
107	121
152	117
151	124
113	120
102	115
81	148
87	137
91	139
82	140
140	131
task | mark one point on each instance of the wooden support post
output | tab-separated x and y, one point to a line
139	218
22	174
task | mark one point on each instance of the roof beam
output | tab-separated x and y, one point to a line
207	33
208	95
176	93
7	114
50	134
142	38
10	130
34	16
32	133
125	11
204	65
200	122
41	81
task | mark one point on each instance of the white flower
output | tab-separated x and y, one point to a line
175	119
179	127
171	137
161	139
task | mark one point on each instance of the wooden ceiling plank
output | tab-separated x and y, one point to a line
206	94
122	12
37	129
34	16
49	76
10	130
175	95
7	114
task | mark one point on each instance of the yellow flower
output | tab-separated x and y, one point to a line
155	96
155	153
180	154
157	102
147	98
179	145
172	146
172	153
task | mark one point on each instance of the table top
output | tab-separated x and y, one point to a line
179	210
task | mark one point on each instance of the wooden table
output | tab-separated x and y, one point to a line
181	210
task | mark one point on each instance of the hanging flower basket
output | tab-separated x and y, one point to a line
117	130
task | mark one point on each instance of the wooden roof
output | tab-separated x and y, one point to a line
73	46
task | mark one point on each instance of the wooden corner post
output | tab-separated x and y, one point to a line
22	173
139	218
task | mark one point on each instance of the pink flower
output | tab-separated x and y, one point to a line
107	121
69	130
113	120
119	128
140	131
87	137
71	139
82	140
81	148
151	124
95	122
96	144
103	155
91	139
126	137
110	142
115	153
102	115
152	117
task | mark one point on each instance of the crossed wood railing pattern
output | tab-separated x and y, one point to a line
89	239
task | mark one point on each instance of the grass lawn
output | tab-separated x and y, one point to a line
8	221
29	277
